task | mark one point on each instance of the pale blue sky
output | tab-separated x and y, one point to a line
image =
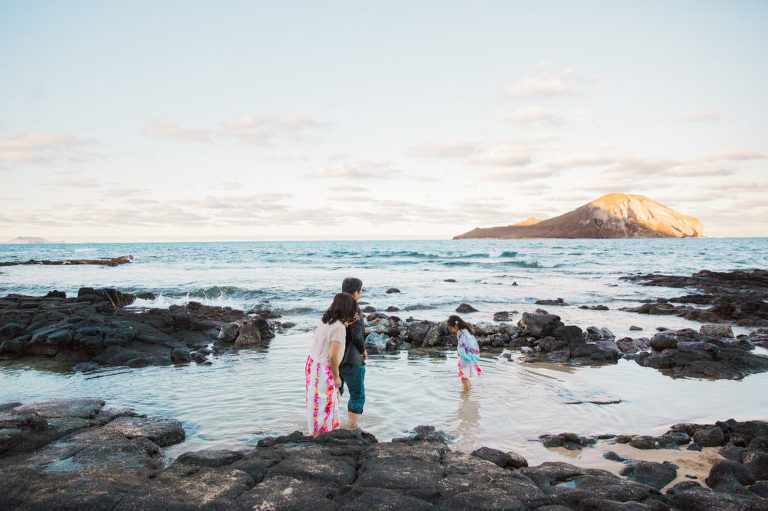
255	120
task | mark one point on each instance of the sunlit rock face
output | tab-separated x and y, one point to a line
615	215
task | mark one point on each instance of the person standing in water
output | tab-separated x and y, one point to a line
353	363
322	368
467	349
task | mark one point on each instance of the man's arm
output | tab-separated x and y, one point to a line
357	335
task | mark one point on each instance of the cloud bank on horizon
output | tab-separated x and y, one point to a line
249	121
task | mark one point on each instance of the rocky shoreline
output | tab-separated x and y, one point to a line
737	296
96	329
112	261
80	454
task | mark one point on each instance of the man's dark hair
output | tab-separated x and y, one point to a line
351	285
343	308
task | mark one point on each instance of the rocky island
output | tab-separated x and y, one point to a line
615	215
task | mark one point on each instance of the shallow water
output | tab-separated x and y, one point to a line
247	394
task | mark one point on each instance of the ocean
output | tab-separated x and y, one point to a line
247	394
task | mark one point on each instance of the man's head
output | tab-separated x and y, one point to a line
352	286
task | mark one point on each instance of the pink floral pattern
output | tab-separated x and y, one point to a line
323	413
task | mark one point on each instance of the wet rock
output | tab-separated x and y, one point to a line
95	327
392	290
181	356
557	301
610	455
417	331
570	441
710	437
657	475
502	316
392	308
634	327
210	457
696	498
500	458
376	343
663	341
643	442
629	346
757	463
727	475
731	296
716	331
114	261
465	308
449	280
538	325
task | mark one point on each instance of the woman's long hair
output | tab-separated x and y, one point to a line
458	322
343	308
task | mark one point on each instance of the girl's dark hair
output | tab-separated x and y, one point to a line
457	321
343	308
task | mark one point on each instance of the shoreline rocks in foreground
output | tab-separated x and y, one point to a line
96	329
114	261
79	454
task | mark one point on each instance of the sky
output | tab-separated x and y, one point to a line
206	121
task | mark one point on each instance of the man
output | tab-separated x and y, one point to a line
352	367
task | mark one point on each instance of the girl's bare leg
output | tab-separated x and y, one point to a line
467	384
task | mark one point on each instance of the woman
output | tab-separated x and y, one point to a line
467	348
322	368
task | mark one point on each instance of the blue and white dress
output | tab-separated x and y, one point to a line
469	354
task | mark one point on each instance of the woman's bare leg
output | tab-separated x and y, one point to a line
352	419
467	384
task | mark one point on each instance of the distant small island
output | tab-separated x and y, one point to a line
615	215
29	240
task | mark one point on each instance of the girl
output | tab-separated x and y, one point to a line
467	348
322	368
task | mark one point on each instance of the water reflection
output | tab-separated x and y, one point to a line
467	419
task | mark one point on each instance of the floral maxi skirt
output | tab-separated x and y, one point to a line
322	398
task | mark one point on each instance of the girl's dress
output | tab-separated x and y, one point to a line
322	393
469	354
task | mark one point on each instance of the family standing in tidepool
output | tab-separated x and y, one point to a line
337	357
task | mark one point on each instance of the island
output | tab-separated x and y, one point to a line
615	215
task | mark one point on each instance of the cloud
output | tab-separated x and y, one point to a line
37	148
698	116
350	188
73	183
170	131
516	175
127	192
586	160
501	158
545	84
532	114
362	169
442	150
735	155
260	130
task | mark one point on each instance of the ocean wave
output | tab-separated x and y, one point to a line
509	253
216	292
